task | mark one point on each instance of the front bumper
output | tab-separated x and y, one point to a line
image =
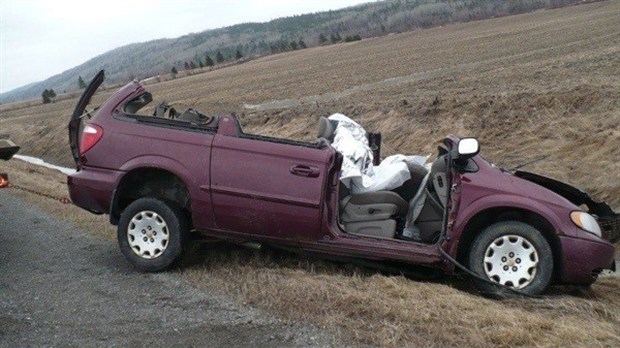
584	259
91	188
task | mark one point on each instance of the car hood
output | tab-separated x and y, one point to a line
575	195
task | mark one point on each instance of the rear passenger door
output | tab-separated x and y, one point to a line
268	188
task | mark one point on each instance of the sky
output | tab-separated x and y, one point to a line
42	38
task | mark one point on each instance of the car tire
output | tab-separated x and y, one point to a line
513	254
152	234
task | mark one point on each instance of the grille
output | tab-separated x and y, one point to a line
610	225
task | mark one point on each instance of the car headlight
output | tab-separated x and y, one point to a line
586	222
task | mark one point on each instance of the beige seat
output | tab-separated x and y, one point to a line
372	213
327	129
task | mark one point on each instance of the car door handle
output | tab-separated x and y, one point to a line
303	170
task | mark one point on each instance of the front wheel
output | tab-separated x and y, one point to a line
152	234
513	254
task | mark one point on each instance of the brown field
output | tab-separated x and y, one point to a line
539	84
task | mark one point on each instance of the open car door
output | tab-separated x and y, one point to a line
76	125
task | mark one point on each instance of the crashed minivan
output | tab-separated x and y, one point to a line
165	176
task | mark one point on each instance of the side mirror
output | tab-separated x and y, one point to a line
468	148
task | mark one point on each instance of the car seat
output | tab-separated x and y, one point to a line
327	129
372	213
438	185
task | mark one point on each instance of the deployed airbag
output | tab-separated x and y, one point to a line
358	173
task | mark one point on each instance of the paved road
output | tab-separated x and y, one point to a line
60	286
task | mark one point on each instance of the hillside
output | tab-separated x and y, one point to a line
256	39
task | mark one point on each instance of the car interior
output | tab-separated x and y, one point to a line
383	214
166	111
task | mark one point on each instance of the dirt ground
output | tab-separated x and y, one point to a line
62	286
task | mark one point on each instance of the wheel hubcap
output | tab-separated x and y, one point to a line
511	261
147	234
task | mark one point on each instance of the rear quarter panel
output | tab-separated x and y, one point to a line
128	145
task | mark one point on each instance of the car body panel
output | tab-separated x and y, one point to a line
92	189
255	187
583	260
571	193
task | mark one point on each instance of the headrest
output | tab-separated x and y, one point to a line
326	129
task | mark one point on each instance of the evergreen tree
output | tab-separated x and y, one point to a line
302	44
192	65
238	55
186	66
209	62
293	45
355	37
51	93
173	72
200	64
333	39
81	83
322	39
219	57
46	97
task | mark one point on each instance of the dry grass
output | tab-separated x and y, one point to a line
395	311
545	83
365	307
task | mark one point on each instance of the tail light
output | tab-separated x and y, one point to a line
90	136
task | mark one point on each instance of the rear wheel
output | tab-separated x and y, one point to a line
152	234
513	254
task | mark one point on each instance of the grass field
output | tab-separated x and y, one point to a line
539	84
365	307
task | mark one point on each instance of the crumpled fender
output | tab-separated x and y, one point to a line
575	195
607	218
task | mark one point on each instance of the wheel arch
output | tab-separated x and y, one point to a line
490	216
148	181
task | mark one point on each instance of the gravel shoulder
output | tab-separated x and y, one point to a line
60	286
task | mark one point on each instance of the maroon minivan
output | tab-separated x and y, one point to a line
167	175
